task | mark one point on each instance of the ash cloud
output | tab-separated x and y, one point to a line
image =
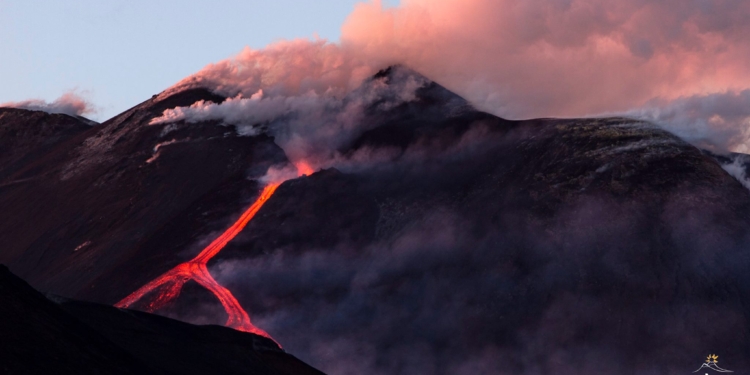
70	103
545	58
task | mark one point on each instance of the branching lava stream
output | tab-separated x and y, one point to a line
170	283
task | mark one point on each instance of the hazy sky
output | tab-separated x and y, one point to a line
118	53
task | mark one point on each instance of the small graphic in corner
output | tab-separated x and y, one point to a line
712	363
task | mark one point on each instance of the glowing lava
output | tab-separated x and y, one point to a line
303	168
170	283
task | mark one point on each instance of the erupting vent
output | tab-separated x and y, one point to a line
168	285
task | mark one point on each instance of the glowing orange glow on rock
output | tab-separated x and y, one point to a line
304	169
168	286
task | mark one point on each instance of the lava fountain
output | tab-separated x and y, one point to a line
169	285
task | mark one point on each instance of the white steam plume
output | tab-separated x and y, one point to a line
309	125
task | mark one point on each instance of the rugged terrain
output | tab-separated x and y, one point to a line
444	240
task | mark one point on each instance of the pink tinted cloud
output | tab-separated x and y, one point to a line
562	57
532	58
284	68
70	103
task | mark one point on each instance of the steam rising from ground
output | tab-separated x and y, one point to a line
309	124
738	166
69	103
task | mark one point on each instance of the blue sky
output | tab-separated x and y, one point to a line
118	53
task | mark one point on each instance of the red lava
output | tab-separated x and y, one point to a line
169	285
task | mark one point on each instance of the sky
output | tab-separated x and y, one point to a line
117	53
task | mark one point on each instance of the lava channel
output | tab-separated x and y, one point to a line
169	285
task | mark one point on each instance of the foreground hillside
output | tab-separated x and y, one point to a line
69	337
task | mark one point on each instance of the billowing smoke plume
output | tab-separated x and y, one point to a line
310	117
286	68
544	58
69	103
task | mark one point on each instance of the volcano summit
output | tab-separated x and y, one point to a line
406	232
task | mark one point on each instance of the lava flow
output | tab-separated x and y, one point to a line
171	282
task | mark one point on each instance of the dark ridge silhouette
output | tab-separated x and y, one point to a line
69	337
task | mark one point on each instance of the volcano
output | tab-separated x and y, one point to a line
432	238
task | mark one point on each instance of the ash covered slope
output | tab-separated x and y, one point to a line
40	336
101	200
461	243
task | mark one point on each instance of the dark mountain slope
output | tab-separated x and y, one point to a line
538	241
69	337
27	135
38	337
123	189
443	240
